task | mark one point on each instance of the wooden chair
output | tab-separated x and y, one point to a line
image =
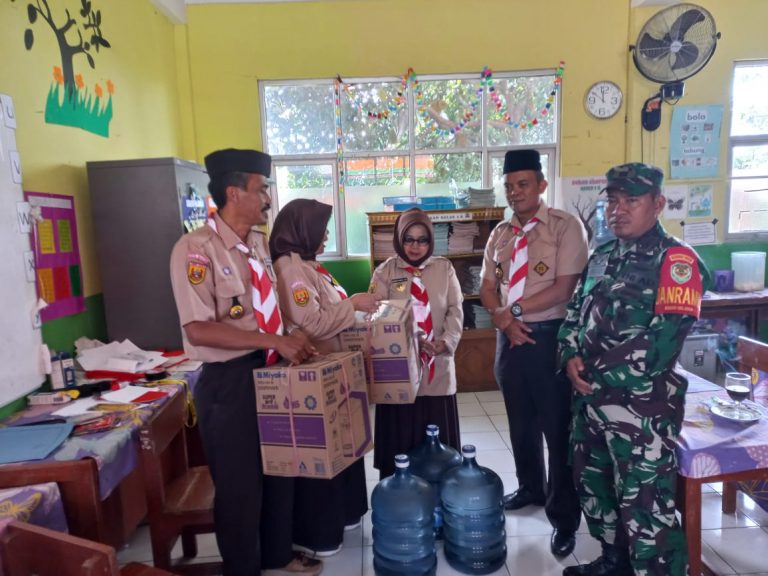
179	497
26	549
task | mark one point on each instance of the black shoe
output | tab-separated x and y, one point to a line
562	542
520	498
605	565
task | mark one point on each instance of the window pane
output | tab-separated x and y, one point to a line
443	105
749	205
362	133
369	180
750	160
313	181
497	176
300	119
750	107
522	99
434	172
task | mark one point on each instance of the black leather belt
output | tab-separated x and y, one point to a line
545	325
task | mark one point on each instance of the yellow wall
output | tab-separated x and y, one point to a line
232	47
142	66
741	23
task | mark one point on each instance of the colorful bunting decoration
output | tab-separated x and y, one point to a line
410	78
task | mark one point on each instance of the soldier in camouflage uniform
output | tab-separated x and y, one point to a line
634	304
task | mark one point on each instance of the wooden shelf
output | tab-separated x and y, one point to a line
477	350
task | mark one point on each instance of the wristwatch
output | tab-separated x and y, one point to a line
516	309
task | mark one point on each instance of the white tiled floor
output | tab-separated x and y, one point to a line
732	544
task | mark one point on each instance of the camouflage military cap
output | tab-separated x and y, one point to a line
635	178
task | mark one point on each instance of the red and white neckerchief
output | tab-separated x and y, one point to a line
327	275
518	262
423	316
263	296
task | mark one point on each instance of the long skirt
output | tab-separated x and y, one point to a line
323	507
401	427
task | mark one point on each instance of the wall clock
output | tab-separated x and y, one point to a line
603	99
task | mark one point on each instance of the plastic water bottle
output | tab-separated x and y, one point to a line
431	460
403	534
603	232
473	516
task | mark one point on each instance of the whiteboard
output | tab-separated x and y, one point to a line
21	365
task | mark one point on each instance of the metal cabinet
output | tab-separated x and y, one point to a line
140	209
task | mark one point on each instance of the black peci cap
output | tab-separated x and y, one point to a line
516	160
233	160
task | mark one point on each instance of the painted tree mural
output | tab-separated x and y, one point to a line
69	101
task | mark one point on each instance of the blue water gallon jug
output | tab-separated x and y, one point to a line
403	532
431	460
473	517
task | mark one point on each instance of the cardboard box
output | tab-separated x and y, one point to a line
313	418
393	367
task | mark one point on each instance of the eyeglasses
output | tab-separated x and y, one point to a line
423	241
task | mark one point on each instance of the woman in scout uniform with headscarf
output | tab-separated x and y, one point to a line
312	300
431	284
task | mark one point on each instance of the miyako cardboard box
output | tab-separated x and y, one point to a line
387	339
313	417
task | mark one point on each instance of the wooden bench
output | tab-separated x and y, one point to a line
26	549
179	497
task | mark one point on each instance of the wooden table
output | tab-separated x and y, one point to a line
712	451
752	305
111	520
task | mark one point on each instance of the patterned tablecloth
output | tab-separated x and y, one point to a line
38	504
709	445
114	451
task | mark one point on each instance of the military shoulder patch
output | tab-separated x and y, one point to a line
680	288
197	267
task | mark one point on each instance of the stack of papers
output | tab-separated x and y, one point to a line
469	278
382	242
482	317
462	238
122	356
441	239
481	197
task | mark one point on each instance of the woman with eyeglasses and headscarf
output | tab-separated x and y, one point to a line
312	300
431	284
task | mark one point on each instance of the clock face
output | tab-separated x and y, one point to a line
603	99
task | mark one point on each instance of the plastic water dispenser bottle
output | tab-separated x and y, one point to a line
431	460
473	517
403	532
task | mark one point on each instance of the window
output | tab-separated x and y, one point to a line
749	150
401	138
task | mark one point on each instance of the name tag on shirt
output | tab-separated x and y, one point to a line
597	266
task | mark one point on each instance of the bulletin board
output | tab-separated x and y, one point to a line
21	353
57	255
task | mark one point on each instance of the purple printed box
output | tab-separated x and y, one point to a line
313	418
391	352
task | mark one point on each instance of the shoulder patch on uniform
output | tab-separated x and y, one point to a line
541	268
300	293
680	287
196	271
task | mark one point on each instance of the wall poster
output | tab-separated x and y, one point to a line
57	255
694	141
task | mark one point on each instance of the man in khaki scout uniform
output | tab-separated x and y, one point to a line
530	268
213	271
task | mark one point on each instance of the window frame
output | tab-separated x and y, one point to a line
487	152
735	142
